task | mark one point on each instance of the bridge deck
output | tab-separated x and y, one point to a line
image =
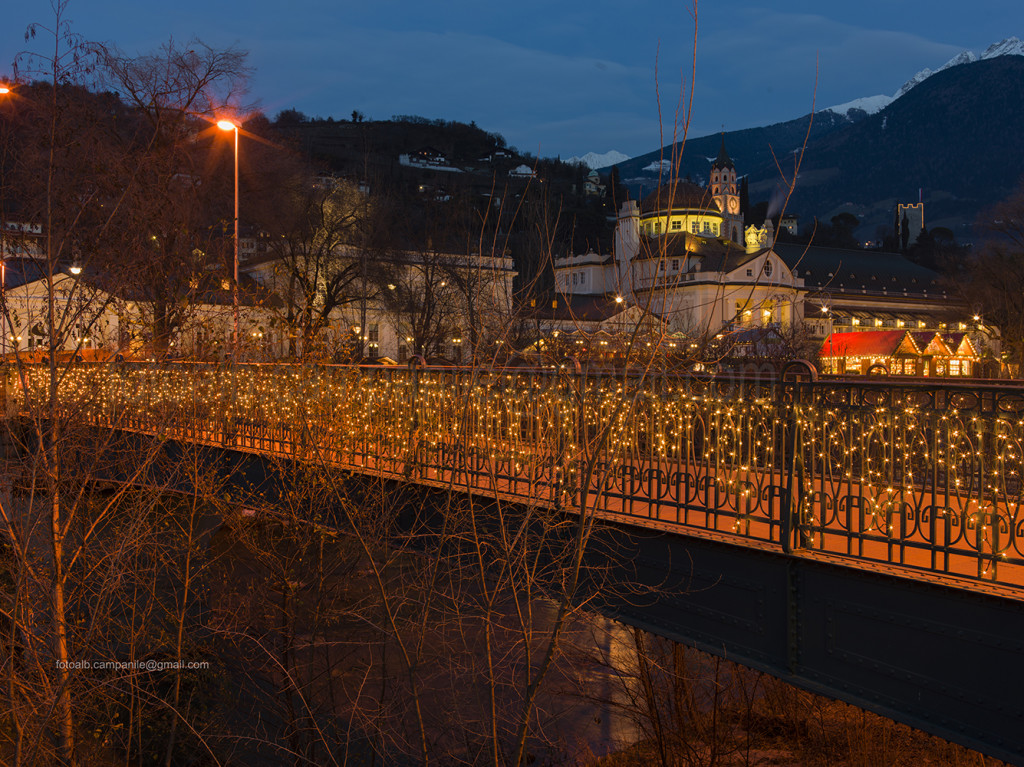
915	488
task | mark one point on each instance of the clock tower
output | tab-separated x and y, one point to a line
726	195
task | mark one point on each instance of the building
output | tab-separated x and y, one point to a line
899	352
685	255
88	317
909	222
858	290
414	301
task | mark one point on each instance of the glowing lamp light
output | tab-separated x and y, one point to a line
226	125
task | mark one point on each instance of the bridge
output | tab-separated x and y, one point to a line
857	538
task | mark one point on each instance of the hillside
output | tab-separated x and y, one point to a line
749	148
958	136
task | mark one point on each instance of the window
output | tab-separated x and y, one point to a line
694	227
574	278
675	264
677	224
373	351
750	272
583	278
372	333
657	227
403	353
768	268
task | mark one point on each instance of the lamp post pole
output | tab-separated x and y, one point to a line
228	125
826	309
5	90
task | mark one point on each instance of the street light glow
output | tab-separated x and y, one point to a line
226	125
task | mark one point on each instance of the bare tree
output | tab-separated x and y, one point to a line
325	258
167	233
992	280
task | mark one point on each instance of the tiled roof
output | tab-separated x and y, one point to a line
838	268
867	343
581	308
679	195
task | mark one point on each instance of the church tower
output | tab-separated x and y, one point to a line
726	194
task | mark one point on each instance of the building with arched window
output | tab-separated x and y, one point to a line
684	254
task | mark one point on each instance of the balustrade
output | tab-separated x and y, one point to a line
925	476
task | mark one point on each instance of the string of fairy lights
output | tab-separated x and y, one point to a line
901	476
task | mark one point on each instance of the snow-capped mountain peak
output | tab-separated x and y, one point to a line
593	160
869	104
1011	46
964	57
914	81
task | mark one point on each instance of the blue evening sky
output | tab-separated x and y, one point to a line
559	77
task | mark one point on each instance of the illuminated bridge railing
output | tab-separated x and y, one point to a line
925	476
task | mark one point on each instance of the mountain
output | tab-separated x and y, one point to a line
868	104
749	148
594	160
956	134
1011	46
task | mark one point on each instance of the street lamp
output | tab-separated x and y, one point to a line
230	125
827	311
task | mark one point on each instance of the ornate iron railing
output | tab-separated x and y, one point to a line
921	475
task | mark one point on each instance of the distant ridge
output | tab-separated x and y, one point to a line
593	160
956	134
